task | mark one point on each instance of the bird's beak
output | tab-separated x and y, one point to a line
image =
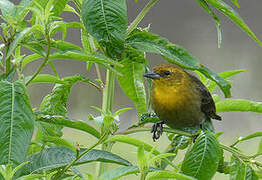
152	75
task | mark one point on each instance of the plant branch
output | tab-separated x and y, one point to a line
45	59
142	129
58	176
141	15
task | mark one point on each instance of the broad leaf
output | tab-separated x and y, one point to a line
168	175
8	9
62	121
106	21
239	105
55	157
131	80
148	42
58	5
234	16
119	172
202	160
17	122
133	141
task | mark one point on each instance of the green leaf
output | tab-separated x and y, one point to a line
250	174
148	42
64	46
35	47
8	9
18	38
76	56
46	78
234	16
55	103
17	122
59	142
239	105
133	141
131	80
212	85
59	6
206	7
259	149
168	174
202	160
106	21
62	121
119	172
55	157
236	3
238	169
29	59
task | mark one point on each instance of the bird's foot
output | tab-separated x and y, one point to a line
157	130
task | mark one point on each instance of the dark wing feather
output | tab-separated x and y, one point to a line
207	103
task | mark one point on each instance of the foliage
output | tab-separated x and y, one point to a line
107	42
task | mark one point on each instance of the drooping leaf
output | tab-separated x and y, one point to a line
17	122
59	142
202	160
239	105
64	46
62	121
168	175
35	47
106	21
234	16
207	8
46	78
29	59
55	157
76	56
131	80
212	85
148	42
132	141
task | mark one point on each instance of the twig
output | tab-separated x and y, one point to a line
141	15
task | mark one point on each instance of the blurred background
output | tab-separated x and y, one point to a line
186	24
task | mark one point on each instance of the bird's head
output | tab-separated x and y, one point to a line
166	75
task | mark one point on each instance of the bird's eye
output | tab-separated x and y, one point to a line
166	73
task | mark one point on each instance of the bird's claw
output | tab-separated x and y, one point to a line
157	130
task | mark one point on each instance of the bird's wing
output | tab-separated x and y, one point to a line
207	103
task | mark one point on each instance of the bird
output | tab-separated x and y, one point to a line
179	99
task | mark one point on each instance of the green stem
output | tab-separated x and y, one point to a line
61	173
143	175
108	93
142	129
45	59
107	104
141	15
8	61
